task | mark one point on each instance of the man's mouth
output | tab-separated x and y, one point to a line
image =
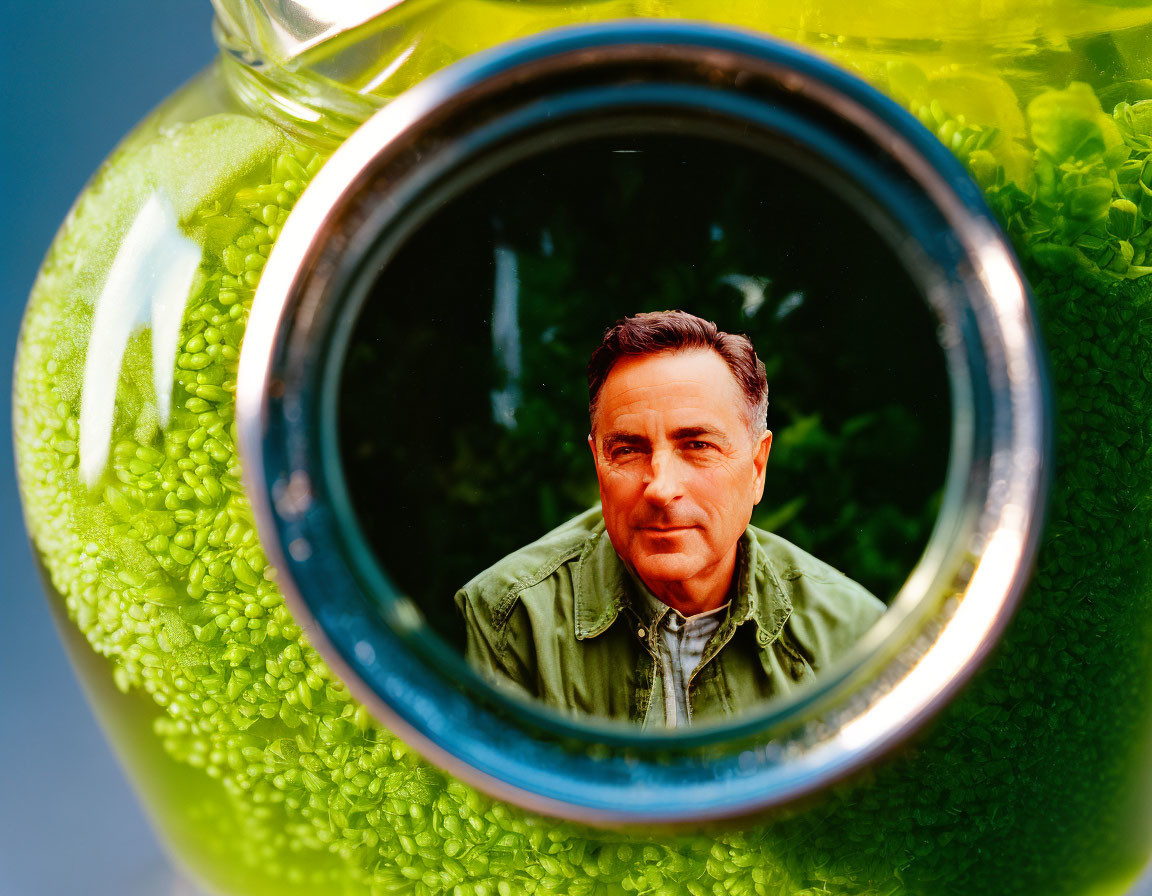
667	528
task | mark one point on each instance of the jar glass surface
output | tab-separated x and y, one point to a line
261	770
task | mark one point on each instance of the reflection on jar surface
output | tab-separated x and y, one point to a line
257	765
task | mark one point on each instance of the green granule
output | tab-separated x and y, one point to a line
1025	785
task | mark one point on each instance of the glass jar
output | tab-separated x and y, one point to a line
259	767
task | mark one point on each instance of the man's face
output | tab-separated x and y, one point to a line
679	470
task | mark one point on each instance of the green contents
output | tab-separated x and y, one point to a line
1029	784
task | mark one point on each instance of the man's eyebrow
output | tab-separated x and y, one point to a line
695	432
618	437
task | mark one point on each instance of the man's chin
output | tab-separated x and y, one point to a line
667	567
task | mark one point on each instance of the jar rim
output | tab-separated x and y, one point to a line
305	31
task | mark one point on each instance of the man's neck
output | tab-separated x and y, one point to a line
705	591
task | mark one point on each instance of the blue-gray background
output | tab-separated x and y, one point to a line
77	76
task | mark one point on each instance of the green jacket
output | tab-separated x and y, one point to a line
560	620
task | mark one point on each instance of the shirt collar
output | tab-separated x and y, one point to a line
604	587
658	612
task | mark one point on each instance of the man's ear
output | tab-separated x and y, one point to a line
760	462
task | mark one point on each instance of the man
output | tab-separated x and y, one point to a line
665	607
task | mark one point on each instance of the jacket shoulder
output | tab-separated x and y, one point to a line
830	611
792	562
497	588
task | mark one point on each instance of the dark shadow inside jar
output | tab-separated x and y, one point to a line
463	403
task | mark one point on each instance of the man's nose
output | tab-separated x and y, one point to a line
665	483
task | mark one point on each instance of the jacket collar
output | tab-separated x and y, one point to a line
604	587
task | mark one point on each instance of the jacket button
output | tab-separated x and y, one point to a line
642	632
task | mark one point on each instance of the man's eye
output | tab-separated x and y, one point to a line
698	446
623	452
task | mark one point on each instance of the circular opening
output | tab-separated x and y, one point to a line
463	421
503	590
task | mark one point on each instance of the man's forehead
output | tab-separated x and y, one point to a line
693	388
683	419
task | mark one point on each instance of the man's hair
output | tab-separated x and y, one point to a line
657	332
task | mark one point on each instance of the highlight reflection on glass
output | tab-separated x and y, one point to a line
146	289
